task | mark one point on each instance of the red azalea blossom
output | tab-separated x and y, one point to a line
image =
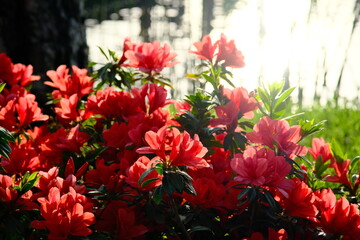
10	196
67	110
209	194
22	158
150	57
20	111
342	172
77	83
262	168
320	148
278	135
338	217
175	148
107	175
7	193
65	215
205	49
228	53
137	169
111	104
150	97
301	201
240	105
272	235
128	45
121	221
15	74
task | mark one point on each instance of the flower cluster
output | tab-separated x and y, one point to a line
115	161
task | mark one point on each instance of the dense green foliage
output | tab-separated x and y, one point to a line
342	124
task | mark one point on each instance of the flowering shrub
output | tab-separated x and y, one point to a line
118	159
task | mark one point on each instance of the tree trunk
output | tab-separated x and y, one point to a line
44	34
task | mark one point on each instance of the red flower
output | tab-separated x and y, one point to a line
137	169
111	104
209	194
229	53
240	105
121	221
107	175
338	217
205	49
54	145
22	158
20	111
320	148
272	235
278	135
342	172
175	148
67	111
117	135
11	197
150	97
7	193
301	201
262	168
15	74
77	83
150	57
128	45
64	215
6	67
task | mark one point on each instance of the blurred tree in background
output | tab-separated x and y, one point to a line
44	34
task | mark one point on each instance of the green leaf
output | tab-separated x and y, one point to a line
158	193
144	175
2	85
337	151
6	135
283	96
189	188
91	64
193	76
270	199
243	193
103	53
143	184
201	228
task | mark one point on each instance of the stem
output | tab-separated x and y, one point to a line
178	220
253	210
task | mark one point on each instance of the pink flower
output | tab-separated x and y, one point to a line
278	135
228	53
262	168
150	57
175	148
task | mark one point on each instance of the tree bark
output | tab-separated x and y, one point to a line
44	34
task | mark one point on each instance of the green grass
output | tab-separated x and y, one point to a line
342	124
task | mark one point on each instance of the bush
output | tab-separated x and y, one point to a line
114	161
